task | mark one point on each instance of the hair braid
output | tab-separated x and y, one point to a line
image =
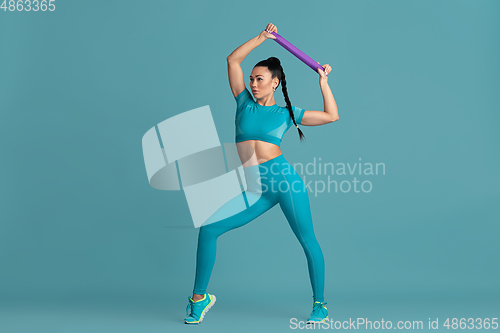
288	104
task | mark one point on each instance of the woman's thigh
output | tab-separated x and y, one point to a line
239	211
294	202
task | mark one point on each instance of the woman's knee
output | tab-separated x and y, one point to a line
208	231
308	239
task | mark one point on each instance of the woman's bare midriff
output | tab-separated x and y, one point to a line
253	152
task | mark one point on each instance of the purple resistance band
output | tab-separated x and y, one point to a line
298	53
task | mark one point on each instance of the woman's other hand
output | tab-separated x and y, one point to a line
323	74
267	32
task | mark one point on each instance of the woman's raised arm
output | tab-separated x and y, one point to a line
331	113
234	71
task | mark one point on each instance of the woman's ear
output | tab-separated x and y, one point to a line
276	82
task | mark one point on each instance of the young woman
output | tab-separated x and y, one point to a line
260	126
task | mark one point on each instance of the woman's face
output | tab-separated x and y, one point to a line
261	83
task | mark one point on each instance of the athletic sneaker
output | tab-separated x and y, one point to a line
195	311
319	313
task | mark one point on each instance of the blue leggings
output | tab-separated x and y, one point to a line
274	181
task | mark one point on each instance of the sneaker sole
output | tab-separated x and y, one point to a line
203	313
317	322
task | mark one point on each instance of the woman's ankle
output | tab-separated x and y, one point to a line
197	297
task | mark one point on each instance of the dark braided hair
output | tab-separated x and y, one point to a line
274	66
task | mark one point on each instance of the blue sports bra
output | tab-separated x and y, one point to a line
266	123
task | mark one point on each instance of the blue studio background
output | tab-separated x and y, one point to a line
87	245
